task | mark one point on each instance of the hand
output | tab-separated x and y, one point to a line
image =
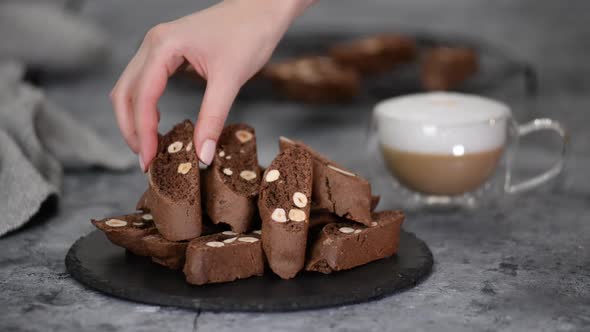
226	44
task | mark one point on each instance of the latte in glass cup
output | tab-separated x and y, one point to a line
442	143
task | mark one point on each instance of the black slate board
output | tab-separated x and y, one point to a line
97	263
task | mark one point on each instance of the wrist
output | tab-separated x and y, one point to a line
283	11
291	9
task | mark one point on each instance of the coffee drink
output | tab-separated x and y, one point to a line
441	174
442	143
453	150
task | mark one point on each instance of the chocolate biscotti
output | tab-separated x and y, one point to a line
336	189
319	219
137	233
374	202
164	252
314	79
233	179
223	257
174	196
171	254
284	205
444	68
128	231
309	212
375	54
344	245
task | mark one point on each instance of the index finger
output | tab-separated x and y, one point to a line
151	84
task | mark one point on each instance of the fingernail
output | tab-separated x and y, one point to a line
141	164
207	151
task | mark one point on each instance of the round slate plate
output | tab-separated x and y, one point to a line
97	263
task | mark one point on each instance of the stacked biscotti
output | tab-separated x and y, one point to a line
338	74
233	221
444	68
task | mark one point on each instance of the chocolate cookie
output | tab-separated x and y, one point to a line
375	54
167	253
174	196
313	79
336	189
128	231
141	203
233	179
319	219
223	257
444	68
137	233
284	205
344	245
170	253
374	202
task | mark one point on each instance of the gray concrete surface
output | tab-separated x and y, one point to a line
522	266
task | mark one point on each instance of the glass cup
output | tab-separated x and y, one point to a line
443	149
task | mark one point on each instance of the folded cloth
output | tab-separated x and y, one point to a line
37	141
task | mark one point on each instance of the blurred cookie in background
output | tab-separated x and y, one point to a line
444	68
313	79
375	54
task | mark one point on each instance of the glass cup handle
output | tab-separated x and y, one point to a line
527	128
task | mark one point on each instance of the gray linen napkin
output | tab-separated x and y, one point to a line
38	140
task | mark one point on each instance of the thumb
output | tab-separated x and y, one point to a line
219	96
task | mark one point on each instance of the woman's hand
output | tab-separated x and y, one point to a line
226	44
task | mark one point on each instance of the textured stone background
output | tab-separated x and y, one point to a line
525	266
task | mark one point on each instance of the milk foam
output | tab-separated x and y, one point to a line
442	123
